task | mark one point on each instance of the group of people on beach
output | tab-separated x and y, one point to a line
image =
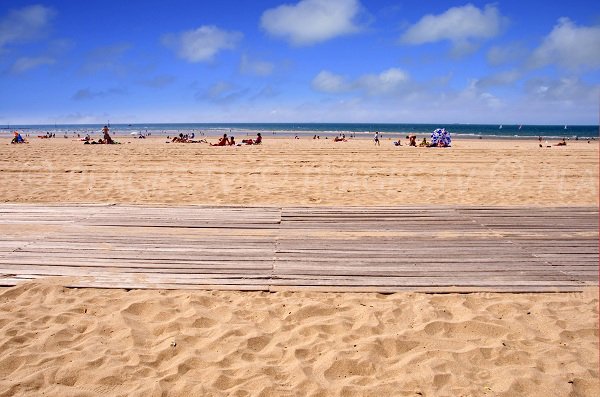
105	140
439	138
230	141
187	138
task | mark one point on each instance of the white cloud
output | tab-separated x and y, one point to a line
387	82
312	21
329	82
458	25
566	90
25	24
25	64
569	46
202	44
255	66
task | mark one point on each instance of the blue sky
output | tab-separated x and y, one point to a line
520	62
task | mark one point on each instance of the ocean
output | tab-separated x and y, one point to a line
321	129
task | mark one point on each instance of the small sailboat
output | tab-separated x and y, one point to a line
565	126
500	127
520	126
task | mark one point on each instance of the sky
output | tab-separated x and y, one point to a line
374	61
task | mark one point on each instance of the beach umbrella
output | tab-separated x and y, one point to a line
442	136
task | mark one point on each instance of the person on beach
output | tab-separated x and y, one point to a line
231	141
18	138
398	143
222	142
257	141
107	139
376	138
412	140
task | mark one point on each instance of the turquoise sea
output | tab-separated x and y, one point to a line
321	129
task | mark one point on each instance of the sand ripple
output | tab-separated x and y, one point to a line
88	342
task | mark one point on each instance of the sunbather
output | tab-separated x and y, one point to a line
257	141
222	142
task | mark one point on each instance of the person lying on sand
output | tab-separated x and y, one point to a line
222	142
339	139
563	143
257	141
398	142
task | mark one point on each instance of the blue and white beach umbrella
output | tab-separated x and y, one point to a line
441	135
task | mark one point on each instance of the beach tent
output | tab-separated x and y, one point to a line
442	136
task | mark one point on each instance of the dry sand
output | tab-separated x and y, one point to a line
90	342
300	172
69	342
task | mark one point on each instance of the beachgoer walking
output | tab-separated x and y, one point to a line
376	138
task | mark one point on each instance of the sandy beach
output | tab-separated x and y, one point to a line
90	342
300	172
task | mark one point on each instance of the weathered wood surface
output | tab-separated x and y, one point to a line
371	249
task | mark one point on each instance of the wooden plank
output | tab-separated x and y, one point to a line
383	249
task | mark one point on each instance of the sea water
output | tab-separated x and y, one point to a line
311	129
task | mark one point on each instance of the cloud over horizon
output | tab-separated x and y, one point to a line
201	44
312	21
387	82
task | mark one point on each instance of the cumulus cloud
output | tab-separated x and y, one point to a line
25	64
202	44
312	21
25	24
329	82
255	66
459	25
566	89
569	46
387	82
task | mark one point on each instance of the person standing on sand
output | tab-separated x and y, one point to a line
376	138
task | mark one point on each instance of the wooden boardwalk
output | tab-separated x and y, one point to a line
375	249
